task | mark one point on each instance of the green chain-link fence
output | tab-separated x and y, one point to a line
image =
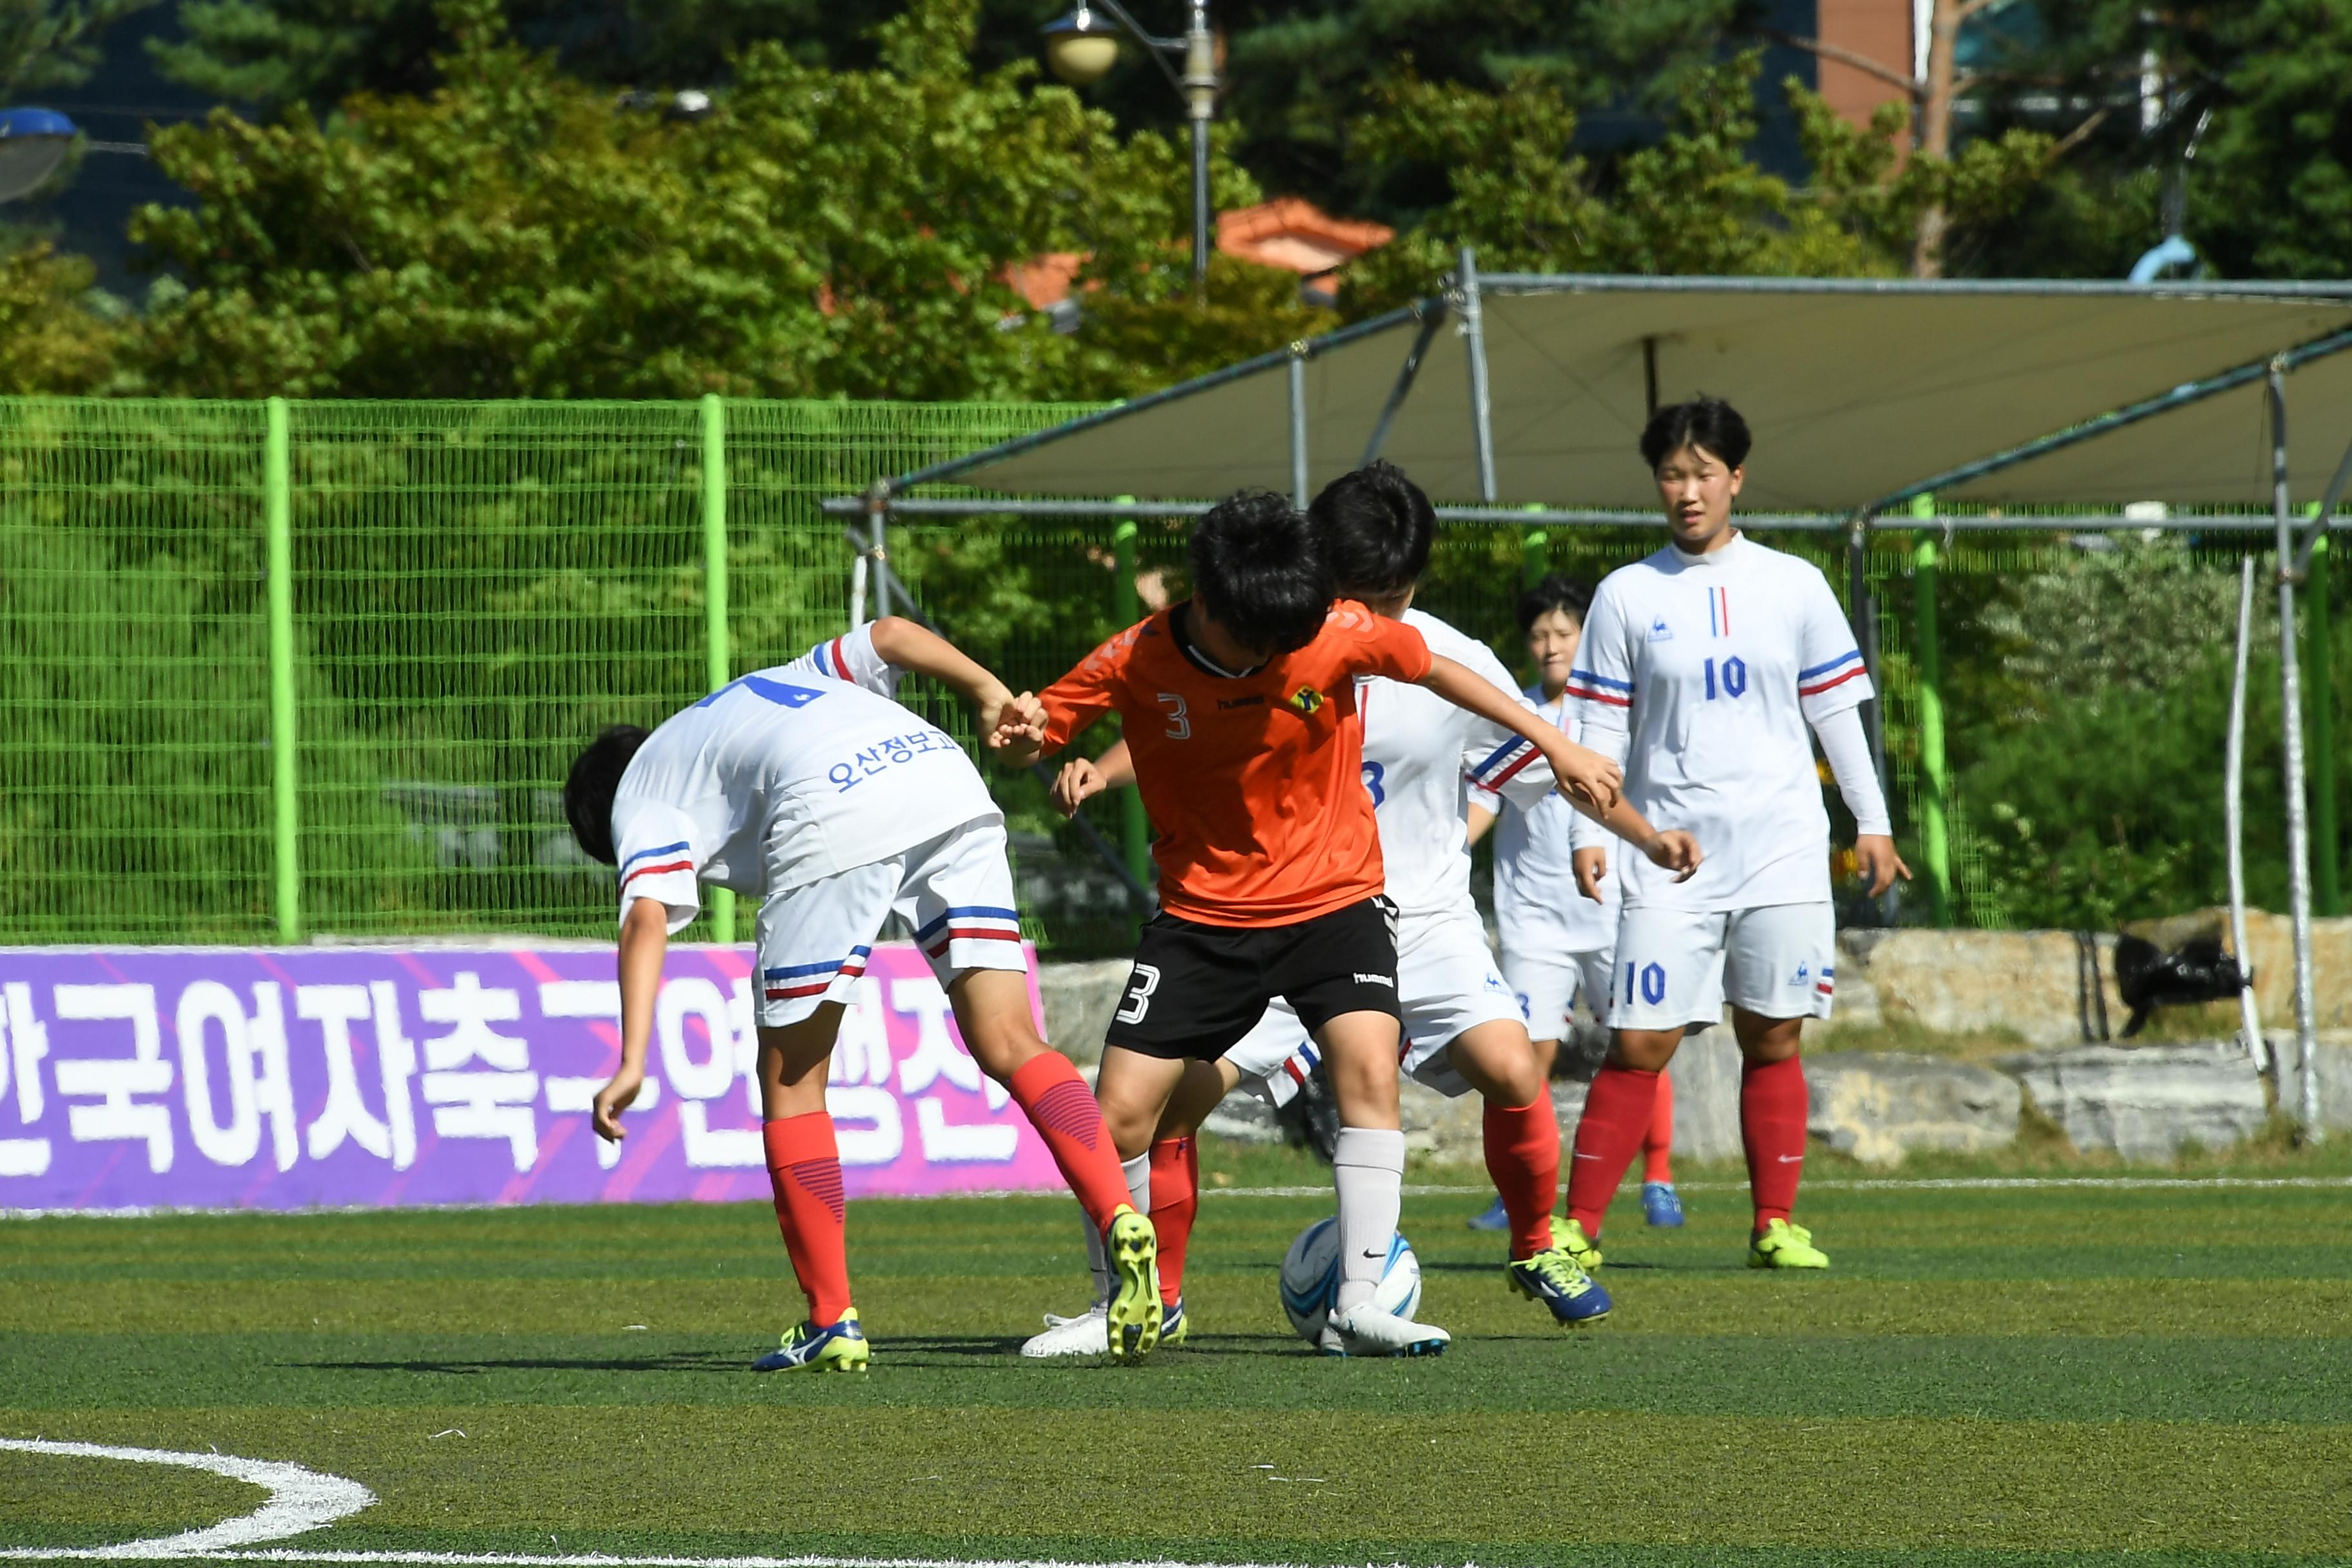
475	588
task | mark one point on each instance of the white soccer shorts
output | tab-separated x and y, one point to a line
955	891
1676	965
1446	985
1546	983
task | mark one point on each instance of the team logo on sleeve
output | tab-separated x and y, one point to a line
1306	699
1659	630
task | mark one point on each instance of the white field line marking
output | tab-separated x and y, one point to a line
600	1560
299	1500
1412	1190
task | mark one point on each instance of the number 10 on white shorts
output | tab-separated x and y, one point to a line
1676	967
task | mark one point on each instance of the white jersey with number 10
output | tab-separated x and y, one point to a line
1703	672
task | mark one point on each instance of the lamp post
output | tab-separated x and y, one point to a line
32	142
1082	46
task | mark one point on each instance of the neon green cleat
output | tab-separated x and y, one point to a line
838	1347
1780	1245
1172	1325
1569	1237
1135	1311
1553	1278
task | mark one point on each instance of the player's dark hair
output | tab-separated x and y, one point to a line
1709	423
1565	594
1374	526
589	788
1257	573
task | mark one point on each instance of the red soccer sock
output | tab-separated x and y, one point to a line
1658	1146
1175	1199
1523	1158
1062	1109
1772	1126
1608	1135
804	1174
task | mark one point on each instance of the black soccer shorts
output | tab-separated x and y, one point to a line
1196	989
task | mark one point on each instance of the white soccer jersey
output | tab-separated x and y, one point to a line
1538	908
1703	671
786	776
1422	754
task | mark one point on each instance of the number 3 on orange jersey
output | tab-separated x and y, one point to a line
1180	725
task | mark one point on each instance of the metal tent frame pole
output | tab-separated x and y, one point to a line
2250	1021
1298	480
1482	400
2298	825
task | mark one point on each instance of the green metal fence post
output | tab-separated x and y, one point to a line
277	517
2319	661
1534	557
1134	827
714	597
1934	845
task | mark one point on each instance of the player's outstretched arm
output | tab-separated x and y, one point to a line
1847	747
644	942
1080	780
924	652
1584	776
1671	849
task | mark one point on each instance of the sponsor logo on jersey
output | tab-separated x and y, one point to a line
1306	699
1364	979
1805	973
1659	630
1255	699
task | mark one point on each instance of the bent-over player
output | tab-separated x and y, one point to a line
807	787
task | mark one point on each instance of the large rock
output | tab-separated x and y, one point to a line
2333	1062
2145	1102
1878	1107
1706	1073
2046	987
1080	999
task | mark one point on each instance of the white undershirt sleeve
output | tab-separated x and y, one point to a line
1848	750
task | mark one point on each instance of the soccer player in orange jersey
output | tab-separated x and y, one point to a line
1239	707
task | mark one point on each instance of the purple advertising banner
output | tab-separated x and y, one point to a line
293	1078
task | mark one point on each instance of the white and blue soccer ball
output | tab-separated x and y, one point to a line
1311	1279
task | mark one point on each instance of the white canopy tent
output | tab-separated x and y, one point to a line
1519	398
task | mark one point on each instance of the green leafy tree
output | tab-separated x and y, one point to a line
54	43
1691	202
52	338
823	233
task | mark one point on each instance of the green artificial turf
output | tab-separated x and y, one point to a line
2045	1374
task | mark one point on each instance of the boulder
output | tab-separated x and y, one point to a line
2047	987
1080	999
1706	1073
1879	1107
2333	1063
2145	1102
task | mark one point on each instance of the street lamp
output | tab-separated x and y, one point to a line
32	142
1082	46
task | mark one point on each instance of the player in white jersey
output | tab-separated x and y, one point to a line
807	787
1703	667
1462	1028
1556	947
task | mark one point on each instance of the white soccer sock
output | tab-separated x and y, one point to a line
1137	1173
1368	1169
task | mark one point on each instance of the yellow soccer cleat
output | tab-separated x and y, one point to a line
1780	1245
1569	1237
836	1347
1135	1311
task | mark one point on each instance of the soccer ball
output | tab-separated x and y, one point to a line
1311	1279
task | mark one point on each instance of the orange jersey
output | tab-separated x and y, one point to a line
1254	780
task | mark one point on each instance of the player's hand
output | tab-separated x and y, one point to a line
1005	716
1676	851
1874	857
1078	782
1591	866
1586	775
614	1098
1018	739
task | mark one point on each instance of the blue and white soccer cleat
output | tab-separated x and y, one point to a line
1365	1331
839	1347
1172	1323
1493	1219
1553	1278
1661	1205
